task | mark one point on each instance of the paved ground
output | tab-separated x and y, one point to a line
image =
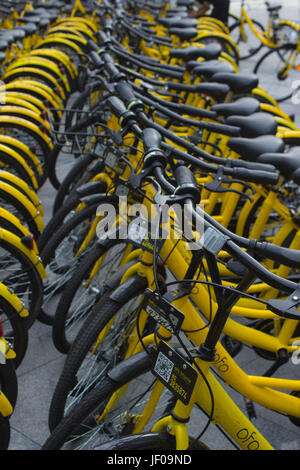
38	373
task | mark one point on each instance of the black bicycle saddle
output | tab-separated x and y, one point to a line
239	83
209	52
171	20
255	125
251	149
241	107
211	67
218	91
184	33
286	163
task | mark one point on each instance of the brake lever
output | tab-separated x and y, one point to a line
220	178
287	308
163	199
135	179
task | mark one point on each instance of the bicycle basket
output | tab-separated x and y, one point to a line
76	131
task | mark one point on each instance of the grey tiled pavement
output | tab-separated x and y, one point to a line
41	367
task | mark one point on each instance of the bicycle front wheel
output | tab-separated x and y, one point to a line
123	394
149	441
247	42
274	76
101	342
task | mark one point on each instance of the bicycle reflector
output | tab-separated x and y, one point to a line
28	241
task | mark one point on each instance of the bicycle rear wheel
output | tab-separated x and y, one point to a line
271	69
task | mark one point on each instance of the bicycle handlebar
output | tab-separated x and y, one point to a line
187	184
225	129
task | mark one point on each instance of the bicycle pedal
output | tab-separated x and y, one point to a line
231	345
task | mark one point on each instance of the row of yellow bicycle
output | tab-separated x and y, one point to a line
151	328
41	48
174	238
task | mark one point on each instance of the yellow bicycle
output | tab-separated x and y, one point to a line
251	37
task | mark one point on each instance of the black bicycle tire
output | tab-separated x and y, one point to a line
78	168
292	27
40	178
9	386
155	441
57	220
43	145
19	329
49	248
124	373
23	214
118	376
265	56
49	71
17	167
223	40
60	340
9	381
257	49
4	433
35	281
81	99
234	18
35	75
103	311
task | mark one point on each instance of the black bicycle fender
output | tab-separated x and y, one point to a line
95	198
122	293
140	362
92	187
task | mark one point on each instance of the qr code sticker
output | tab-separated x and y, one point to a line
163	367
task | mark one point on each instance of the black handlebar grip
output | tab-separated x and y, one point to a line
151	139
102	37
224	129
126	92
112	70
184	175
258	177
186	183
252	165
96	59
117	106
194	111
286	256
107	58
167	73
108	24
92	46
